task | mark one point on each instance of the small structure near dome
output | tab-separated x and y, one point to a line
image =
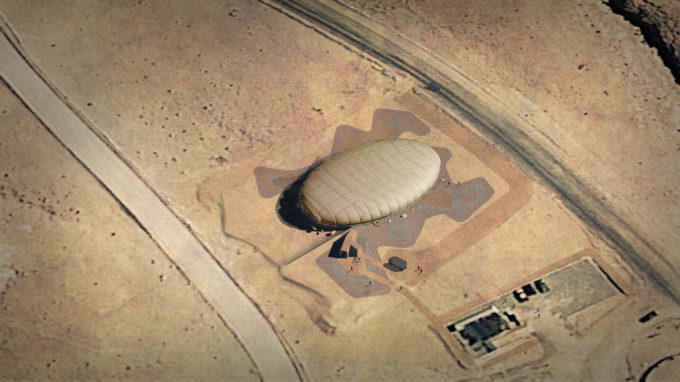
396	264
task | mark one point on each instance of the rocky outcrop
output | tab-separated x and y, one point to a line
659	22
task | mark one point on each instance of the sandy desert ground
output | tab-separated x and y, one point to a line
146	146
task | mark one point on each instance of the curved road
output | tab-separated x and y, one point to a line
477	107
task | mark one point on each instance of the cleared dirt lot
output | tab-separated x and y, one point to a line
578	77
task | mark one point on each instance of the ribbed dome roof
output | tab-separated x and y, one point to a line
369	182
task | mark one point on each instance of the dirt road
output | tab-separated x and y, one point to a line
166	229
487	114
